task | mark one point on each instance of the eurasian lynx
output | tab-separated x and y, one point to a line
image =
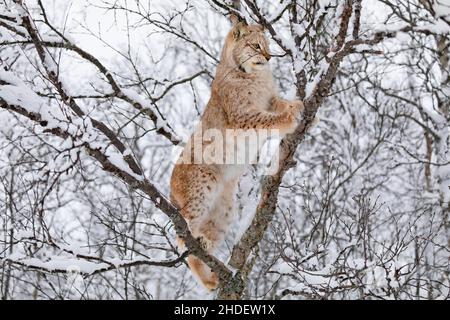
243	96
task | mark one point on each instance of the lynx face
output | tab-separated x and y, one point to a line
251	48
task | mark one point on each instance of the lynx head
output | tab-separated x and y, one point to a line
247	46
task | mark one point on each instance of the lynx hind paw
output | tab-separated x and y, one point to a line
212	283
205	243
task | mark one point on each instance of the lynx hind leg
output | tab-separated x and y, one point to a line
213	230
200	269
215	226
211	234
193	211
194	191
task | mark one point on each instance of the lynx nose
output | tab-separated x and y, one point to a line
267	56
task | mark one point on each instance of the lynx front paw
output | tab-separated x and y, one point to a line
212	282
297	106
289	122
205	243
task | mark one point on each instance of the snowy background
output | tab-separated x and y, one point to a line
363	215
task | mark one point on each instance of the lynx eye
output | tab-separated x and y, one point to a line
256	46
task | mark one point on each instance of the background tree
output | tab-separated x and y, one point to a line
96	95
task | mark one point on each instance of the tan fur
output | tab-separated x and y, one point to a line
243	96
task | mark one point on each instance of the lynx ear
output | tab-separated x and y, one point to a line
240	29
234	19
